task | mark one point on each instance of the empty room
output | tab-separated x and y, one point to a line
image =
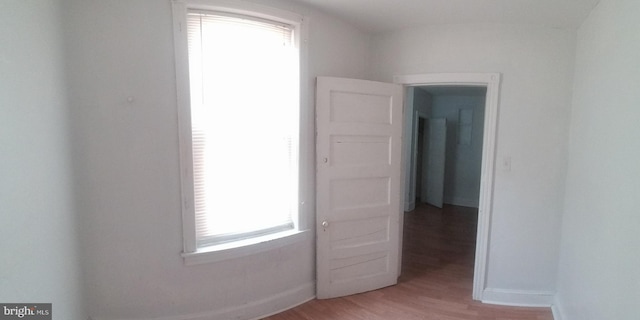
246	159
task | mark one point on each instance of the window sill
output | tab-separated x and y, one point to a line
242	248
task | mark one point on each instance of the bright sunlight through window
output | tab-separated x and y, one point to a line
244	83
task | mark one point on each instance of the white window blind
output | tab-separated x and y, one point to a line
244	89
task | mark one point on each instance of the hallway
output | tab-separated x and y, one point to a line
436	280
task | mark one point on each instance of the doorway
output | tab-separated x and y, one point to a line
447	145
490	81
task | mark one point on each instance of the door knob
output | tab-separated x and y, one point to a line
325	224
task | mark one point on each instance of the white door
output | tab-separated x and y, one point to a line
358	150
424	156
435	161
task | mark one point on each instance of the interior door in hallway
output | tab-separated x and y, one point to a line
434	162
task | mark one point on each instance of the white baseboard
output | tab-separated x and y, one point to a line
557	314
409	205
518	298
557	309
252	310
463	202
286	308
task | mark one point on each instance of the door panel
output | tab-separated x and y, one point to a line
358	148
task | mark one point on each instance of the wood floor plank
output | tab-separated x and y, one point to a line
436	280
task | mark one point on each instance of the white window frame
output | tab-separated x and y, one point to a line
234	249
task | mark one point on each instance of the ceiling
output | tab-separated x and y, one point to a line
377	16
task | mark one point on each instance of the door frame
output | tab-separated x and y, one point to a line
492	82
417	114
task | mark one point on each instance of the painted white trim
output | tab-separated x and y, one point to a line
245	8
284	309
557	308
446	79
246	247
407	151
252	310
464	202
492	82
417	114
555	311
184	124
518	298
180	8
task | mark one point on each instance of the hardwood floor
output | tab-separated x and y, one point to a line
436	280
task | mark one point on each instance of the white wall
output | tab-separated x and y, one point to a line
423	101
462	168
536	64
126	157
38	238
598	276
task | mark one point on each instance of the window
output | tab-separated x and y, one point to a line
239	104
